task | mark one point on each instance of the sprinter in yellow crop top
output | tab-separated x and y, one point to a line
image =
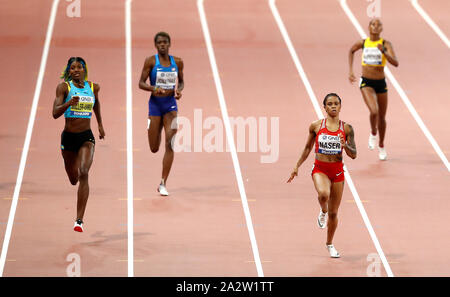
376	51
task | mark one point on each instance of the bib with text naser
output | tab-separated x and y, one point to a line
329	144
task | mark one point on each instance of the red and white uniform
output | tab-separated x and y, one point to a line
329	143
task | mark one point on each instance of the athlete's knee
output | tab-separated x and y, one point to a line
170	143
83	173
154	149
323	196
374	113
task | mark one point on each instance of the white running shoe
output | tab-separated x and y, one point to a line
162	190
78	226
382	155
332	251
372	141
322	220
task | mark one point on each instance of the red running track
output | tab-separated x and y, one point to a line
200	229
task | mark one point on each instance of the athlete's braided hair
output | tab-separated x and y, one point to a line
162	34
66	73
331	95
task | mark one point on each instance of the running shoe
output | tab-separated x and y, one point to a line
322	220
162	190
382	155
332	251
372	141
78	225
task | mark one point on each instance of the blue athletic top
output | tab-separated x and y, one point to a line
164	77
87	100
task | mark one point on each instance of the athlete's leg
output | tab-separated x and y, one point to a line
322	184
382	108
154	133
170	129
333	206
86	156
71	164
370	98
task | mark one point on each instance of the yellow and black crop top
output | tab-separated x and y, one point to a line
372	56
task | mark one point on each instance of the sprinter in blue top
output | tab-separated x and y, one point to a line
166	83
76	98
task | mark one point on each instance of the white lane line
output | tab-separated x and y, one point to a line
230	137
319	113
430	22
26	146
129	138
399	90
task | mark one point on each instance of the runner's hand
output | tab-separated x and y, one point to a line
101	131
178	95
381	48
352	78
341	137
293	174
159	91
74	100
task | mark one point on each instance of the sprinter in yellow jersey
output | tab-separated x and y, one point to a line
376	51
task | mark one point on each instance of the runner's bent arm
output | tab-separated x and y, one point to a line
349	146
308	147
180	87
59	107
388	50
97	112
353	49
148	65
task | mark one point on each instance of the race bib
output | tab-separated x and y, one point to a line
166	80
372	56
329	144
84	106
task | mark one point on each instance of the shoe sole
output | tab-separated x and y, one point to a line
78	229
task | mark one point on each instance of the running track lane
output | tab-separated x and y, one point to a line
18	82
41	243
261	81
438	12
423	77
413	199
199	230
424	71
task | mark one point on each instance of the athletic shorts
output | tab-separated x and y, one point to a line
73	141
159	106
379	85
334	171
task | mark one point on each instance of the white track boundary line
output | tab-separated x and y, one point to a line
129	91
26	146
230	138
319	113
399	89
430	22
